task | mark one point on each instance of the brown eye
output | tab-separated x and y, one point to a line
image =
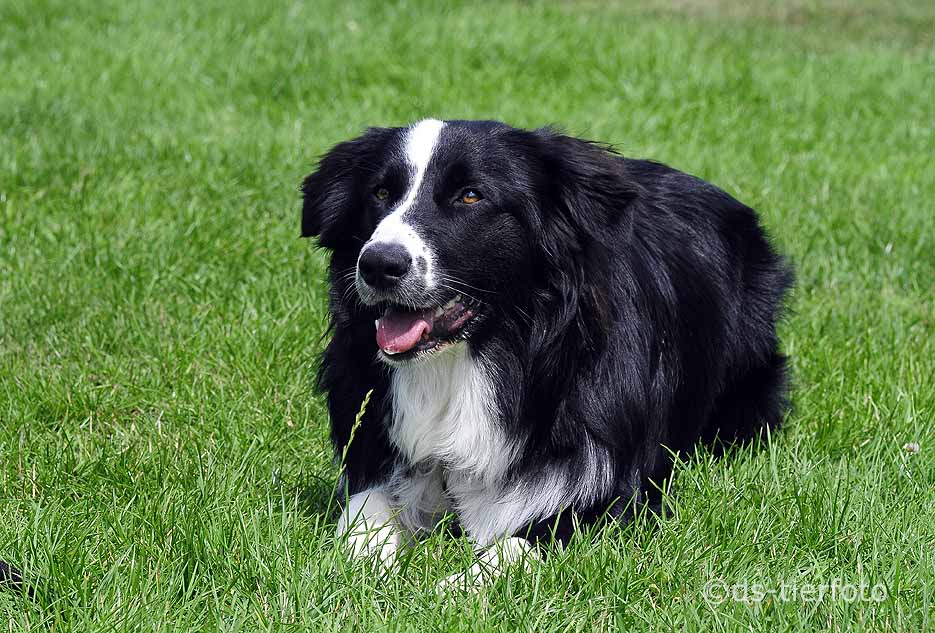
382	193
469	196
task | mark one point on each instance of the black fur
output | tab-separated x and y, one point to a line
12	578
625	301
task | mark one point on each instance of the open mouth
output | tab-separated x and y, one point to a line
404	333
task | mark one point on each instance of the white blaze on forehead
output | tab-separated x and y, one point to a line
421	140
420	145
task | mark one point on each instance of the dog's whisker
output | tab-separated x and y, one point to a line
350	293
461	282
461	292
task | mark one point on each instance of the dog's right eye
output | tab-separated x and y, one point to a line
381	193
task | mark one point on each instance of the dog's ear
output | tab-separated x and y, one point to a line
591	187
331	193
587	207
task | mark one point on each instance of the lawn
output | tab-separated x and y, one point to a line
164	462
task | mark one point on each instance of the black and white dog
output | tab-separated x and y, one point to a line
542	323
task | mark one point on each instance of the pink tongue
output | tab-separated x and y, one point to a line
399	331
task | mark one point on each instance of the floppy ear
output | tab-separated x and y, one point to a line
586	209
331	193
592	188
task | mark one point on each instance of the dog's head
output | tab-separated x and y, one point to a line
442	229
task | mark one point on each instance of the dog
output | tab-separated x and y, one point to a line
540	324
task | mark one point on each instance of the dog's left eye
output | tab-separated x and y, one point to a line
470	196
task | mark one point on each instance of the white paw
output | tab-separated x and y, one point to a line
381	543
512	553
367	522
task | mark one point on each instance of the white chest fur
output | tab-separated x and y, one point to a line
444	411
444	417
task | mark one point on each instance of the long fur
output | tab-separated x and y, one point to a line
629	313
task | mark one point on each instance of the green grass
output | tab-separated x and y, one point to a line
163	456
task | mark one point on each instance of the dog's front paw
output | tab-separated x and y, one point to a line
380	543
370	528
512	553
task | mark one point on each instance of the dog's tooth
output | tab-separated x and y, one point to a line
458	299
439	311
389	353
450	304
376	324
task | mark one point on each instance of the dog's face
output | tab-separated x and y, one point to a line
436	228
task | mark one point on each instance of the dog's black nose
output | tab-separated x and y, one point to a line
382	265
